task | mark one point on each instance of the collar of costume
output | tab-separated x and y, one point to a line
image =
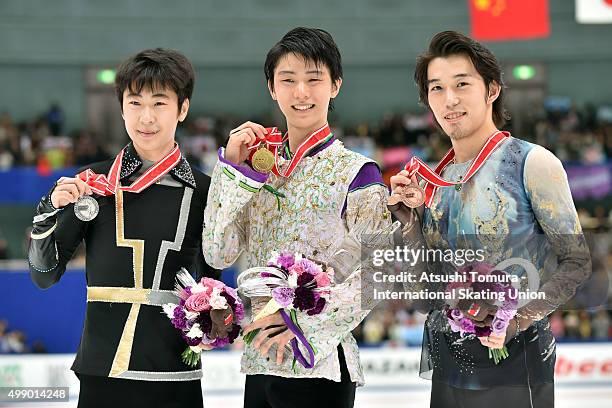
127	163
131	163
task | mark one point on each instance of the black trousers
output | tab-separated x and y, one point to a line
105	392
536	396
269	391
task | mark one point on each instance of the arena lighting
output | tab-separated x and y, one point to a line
106	76
524	72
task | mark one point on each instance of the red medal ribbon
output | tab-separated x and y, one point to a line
274	140
107	185
432	177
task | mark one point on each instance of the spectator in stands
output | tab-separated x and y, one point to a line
4	252
572	323
55	119
38	347
556	324
3	342
16	342
601	325
87	150
585	325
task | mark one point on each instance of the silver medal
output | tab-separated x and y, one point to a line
86	208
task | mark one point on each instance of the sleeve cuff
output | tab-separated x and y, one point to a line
246	171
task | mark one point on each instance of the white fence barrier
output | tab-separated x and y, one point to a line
577	364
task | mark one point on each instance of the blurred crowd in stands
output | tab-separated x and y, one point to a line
15	341
394	326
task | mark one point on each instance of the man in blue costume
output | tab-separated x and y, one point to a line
511	199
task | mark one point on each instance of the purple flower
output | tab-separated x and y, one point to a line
455	314
191	342
285	259
179	321
205	322
220	342
466	325
283	296
309	266
306	279
304	299
267	274
482	331
454	326
504	314
179	312
499	326
318	307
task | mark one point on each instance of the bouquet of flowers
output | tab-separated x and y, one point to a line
208	315
505	309
292	282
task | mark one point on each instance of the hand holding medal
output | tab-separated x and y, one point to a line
433	179
74	190
86	208
261	145
406	190
406	197
241	139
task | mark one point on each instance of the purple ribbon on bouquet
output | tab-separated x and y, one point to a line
302	339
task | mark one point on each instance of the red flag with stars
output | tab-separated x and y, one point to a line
499	20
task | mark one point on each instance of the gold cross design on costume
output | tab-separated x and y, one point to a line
121	361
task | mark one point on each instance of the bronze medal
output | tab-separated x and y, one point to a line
412	196
415	196
263	160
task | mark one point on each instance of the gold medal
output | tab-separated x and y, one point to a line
263	160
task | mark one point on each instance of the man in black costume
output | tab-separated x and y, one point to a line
141	217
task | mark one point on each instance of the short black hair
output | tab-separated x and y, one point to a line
313	44
447	43
156	68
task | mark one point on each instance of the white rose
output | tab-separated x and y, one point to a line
189	315
292	280
169	309
195	331
216	300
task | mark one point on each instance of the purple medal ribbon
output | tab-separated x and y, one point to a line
294	342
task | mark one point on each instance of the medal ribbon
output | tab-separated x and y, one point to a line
106	185
432	178
274	141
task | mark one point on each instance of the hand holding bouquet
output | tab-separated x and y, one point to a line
291	282
208	315
465	320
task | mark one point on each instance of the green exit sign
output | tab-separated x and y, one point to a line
106	76
524	72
